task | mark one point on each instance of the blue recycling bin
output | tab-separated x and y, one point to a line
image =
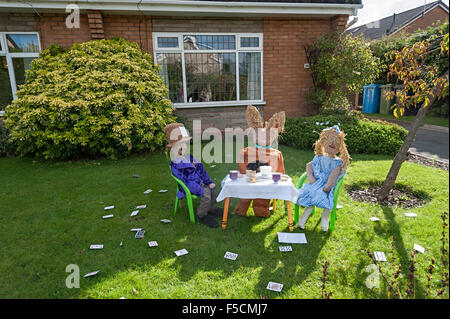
371	98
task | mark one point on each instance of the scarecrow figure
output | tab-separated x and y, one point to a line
192	172
253	157
323	172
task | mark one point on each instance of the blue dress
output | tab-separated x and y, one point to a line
312	194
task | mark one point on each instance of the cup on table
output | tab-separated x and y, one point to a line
266	171
250	173
276	177
234	175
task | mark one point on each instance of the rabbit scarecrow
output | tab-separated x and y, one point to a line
323	172
253	157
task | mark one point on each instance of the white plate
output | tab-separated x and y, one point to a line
263	177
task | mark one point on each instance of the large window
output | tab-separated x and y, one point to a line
17	50
210	69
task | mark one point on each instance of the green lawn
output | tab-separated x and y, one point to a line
51	212
431	120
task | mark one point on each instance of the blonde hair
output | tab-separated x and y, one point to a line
343	153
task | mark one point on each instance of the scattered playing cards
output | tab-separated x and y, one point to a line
141	206
91	274
135	229
374	219
148	191
165	221
96	247
181	252
419	248
410	215
163	191
379	256
285	248
134	213
107	216
152	244
140	234
109	207
274	286
231	256
292	238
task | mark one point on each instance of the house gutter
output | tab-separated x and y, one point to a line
188	7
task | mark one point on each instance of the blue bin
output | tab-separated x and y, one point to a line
371	98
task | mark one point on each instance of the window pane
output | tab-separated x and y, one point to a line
22	42
249	42
209	42
5	85
250	76
210	77
167	42
20	66
170	64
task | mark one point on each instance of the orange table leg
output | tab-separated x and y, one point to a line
274	205
289	212
225	213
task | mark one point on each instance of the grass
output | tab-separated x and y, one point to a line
51	212
430	120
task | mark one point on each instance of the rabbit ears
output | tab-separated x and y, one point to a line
255	121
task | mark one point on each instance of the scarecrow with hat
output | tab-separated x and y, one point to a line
262	154
193	174
323	172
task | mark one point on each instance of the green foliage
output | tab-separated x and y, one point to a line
340	65
6	147
363	136
98	98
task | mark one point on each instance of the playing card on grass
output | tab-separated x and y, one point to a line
292	238
148	191
140	234
109	207
91	274
231	256
274	286
410	215
96	247
163	191
141	206
152	244
107	216
379	256
135	229
374	219
134	213
181	252
285	248
165	221
419	248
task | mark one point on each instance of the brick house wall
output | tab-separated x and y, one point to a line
427	20
22	22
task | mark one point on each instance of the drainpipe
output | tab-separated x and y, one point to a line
354	20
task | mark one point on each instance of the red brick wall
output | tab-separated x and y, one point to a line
136	28
427	20
286	82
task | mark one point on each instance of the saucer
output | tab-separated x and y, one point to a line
264	176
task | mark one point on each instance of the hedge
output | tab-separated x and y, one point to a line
363	136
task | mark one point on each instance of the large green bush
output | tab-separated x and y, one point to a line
363	136
98	98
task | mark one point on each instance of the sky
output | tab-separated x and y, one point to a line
377	9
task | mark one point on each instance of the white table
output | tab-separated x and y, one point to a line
262	189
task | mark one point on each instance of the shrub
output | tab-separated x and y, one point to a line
6	148
101	97
363	136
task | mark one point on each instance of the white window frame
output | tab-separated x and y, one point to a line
10	55
237	50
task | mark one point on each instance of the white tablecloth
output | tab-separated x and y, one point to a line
263	188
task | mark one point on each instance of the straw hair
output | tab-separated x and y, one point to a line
343	153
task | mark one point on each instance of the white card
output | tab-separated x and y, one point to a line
274	286
231	256
165	221
96	247
140	234
419	248
285	248
107	216
136	229
163	191
152	244
181	252
379	256
148	191
141	206
374	219
411	215
91	274
134	213
109	207
339	206
292	238
212	166
121	244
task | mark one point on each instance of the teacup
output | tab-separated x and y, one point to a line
266	171
234	175
250	173
276	177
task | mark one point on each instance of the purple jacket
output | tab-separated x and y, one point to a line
192	175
